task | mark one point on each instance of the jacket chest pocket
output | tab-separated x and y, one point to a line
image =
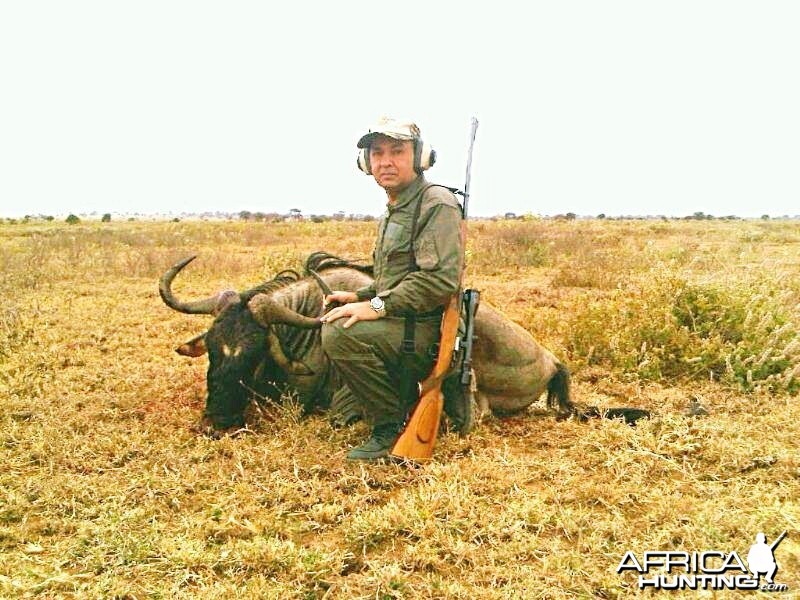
395	241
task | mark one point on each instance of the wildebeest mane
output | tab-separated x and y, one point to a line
316	261
320	261
280	280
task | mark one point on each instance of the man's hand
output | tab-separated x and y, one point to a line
340	297
357	311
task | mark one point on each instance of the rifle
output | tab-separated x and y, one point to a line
418	437
778	541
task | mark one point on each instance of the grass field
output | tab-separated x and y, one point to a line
105	491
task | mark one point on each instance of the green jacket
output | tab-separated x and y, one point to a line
437	250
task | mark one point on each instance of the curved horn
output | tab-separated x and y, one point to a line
267	312
295	367
207	306
324	286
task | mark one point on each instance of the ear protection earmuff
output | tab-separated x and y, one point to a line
363	161
424	157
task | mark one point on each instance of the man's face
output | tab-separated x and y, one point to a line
392	163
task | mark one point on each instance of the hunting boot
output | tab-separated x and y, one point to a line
377	446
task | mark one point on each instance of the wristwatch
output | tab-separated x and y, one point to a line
378	306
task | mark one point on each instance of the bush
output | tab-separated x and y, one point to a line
72	219
663	326
106	218
512	241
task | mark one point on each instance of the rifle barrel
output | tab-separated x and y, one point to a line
778	541
472	134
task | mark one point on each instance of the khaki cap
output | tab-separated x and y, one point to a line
393	128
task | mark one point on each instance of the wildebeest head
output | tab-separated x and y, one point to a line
242	352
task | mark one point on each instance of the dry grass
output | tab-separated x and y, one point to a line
106	492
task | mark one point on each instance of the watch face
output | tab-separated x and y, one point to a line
376	303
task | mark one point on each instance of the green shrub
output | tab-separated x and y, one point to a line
662	326
72	219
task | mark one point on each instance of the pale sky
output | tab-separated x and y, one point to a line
624	108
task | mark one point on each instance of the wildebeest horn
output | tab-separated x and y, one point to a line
323	286
267	312
295	367
207	306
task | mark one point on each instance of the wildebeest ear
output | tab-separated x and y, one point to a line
194	347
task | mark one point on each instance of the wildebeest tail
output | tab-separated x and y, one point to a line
319	261
558	392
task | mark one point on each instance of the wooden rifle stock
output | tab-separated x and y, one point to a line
418	438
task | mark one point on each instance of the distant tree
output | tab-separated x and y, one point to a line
510	215
48	217
570	216
72	219
106	218
245	215
601	216
765	217
318	218
131	219
338	215
176	220
295	213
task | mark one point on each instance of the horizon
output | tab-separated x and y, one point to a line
261	216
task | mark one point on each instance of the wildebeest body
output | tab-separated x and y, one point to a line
269	334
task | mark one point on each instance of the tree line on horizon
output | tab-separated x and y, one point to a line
296	214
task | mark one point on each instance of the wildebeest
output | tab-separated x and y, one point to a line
270	335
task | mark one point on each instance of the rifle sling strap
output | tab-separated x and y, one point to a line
407	351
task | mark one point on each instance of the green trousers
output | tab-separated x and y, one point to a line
368	358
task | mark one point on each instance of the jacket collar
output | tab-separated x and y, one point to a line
408	194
